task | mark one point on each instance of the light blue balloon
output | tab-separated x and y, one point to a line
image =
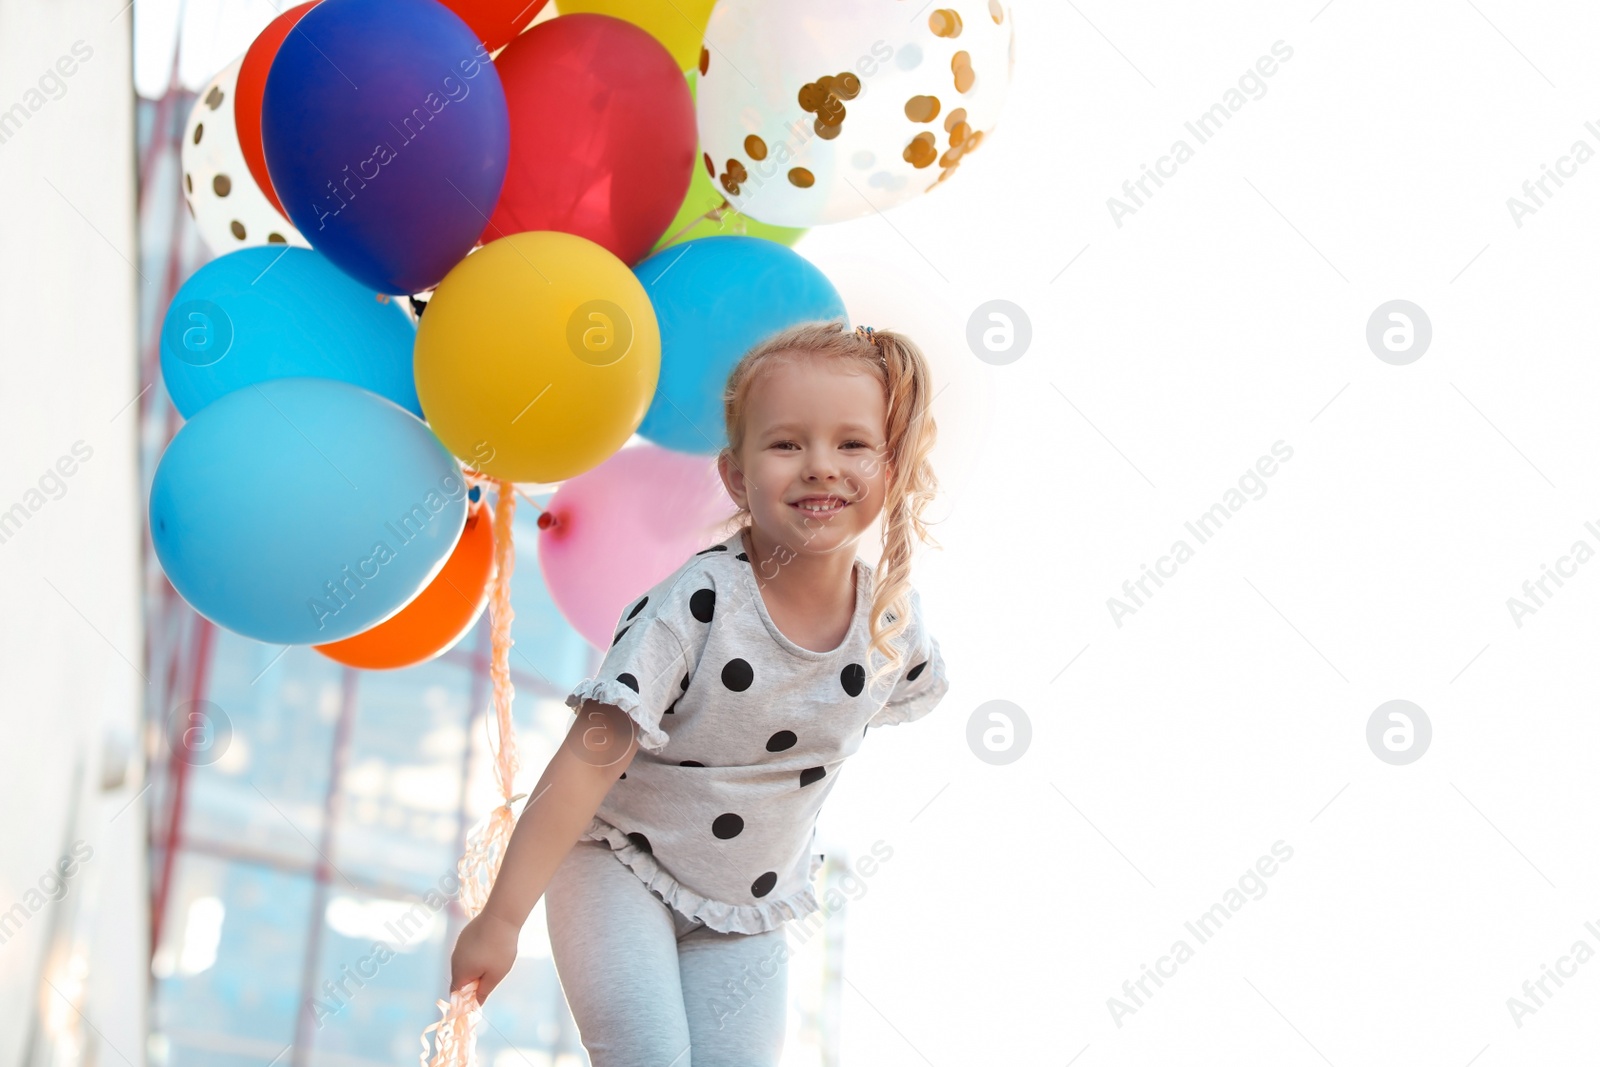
303	510
715	298
282	312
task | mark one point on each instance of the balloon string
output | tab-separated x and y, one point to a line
547	518
456	1030
531	502
714	215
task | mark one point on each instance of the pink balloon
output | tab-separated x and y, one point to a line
624	526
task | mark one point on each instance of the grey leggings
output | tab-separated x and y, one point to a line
649	987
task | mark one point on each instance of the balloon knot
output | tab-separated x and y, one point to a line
546	520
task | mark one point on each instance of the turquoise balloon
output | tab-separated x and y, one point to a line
715	298
304	510
281	312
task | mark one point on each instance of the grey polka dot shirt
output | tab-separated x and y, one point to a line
742	734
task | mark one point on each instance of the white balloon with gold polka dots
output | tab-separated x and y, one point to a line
825	110
229	210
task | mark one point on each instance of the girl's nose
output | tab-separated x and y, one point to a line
821	469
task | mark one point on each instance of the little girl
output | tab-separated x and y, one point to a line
671	834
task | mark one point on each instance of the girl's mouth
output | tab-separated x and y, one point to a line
820	507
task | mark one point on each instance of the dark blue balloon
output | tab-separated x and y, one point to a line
715	298
263	313
386	135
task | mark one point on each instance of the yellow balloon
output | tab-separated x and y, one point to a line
537	357
678	24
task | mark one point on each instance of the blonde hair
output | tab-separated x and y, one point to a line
899	364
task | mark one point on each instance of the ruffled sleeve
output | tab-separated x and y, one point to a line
643	671
923	683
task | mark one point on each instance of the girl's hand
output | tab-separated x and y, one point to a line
485	949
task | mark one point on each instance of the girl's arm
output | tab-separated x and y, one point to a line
597	749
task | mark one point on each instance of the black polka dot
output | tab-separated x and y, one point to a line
623	775
742	558
738	675
620	632
781	740
690	763
684	685
713	548
726	826
853	678
763	885
641	842
629	680
812	774
912	675
637	608
703	604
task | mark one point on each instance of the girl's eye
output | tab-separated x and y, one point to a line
854	444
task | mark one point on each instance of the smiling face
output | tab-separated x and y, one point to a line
811	468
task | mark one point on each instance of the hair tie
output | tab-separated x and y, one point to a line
869	334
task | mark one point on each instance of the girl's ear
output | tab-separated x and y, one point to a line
732	477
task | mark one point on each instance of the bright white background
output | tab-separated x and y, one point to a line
1230	712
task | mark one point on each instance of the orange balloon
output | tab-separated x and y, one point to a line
437	617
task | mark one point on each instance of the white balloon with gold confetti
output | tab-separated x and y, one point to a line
229	209
827	110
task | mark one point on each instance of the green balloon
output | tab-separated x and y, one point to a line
704	196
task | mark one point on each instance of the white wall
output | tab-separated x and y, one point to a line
71	642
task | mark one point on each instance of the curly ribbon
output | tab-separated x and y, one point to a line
456	1031
458	1035
714	215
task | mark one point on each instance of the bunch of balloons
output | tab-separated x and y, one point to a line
466	242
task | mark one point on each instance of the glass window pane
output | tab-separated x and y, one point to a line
399	817
228	970
265	787
383	963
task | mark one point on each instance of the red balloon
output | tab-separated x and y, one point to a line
495	21
247	96
602	134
